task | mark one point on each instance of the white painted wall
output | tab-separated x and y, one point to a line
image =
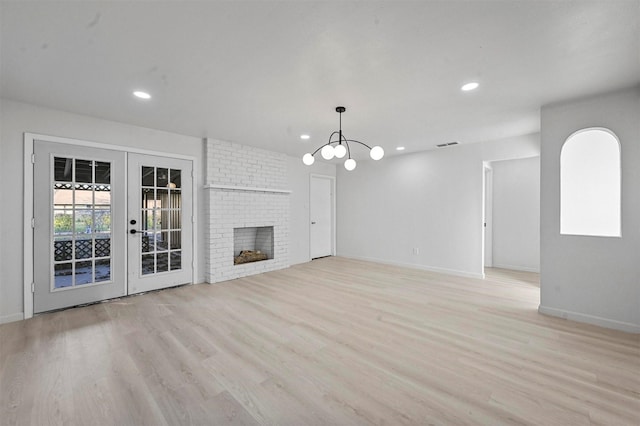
299	225
2	232
431	201
585	278
516	214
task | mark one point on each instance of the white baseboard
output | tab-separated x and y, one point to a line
590	319
415	266
515	267
11	318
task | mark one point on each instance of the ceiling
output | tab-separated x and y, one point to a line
262	73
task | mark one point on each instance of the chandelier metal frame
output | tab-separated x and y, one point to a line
328	151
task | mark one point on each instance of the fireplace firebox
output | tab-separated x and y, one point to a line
252	244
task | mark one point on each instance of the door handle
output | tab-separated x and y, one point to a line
134	231
313	223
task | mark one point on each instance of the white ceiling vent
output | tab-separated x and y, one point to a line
442	145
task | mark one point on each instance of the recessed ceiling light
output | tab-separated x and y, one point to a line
304	137
469	86
400	148
141	94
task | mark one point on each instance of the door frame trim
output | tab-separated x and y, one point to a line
333	211
28	206
487	214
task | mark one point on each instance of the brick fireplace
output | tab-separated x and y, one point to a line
245	190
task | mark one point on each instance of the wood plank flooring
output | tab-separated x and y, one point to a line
335	342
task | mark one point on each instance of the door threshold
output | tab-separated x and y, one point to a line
83	305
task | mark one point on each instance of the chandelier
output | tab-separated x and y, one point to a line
341	148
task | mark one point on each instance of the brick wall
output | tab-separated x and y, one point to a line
230	163
245	188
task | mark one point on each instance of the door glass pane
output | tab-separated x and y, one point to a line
84	171
162	198
62	249
63	275
162	241
148	198
62	222
174	217
162	177
165	219
147	241
84	221
148	176
84	272
103	172
102	246
176	260
81	222
147	221
148	264
163	262
176	240
83	195
176	199
62	196
102	196
62	169
175	180
153	240
102	219
84	248
103	270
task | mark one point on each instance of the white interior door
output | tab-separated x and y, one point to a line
160	224
79	237
321	216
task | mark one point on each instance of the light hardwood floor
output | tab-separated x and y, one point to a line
334	341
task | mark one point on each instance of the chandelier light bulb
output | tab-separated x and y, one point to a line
327	152
376	153
339	151
308	159
350	164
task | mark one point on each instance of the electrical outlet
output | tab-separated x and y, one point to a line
416	250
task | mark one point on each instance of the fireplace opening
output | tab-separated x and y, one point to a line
252	244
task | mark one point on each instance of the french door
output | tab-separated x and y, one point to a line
159	222
87	204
